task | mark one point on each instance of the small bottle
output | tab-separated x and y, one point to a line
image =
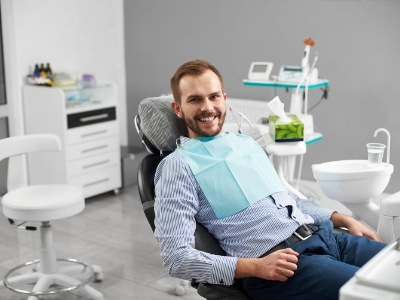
42	71
36	72
49	73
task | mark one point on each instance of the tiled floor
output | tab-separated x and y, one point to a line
111	232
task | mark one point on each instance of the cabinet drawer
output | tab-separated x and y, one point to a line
93	163
92	132
97	182
91	117
92	148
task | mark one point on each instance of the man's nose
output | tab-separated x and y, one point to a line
207	105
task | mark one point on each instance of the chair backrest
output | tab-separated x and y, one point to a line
23	144
12	147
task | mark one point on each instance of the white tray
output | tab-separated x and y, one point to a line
383	270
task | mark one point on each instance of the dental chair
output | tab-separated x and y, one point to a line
25	205
159	127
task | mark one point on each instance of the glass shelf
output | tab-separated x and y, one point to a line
87	98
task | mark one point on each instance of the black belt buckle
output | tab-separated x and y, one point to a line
303	232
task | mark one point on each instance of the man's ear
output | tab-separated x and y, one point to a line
177	109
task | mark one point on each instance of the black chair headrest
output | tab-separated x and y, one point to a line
159	124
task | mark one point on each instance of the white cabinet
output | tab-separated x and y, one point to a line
86	121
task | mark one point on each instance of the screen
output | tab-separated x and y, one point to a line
260	68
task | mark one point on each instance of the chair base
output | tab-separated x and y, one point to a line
61	278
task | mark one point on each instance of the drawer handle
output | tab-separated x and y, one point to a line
96	182
92	118
94	148
93	133
96	164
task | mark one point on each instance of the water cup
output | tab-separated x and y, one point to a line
375	154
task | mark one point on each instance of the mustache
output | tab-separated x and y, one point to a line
207	114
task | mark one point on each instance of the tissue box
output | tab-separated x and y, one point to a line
286	132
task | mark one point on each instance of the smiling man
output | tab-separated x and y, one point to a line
200	101
282	247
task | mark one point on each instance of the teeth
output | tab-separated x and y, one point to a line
207	119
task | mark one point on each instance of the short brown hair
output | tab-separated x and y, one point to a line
193	67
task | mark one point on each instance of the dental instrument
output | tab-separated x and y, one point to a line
309	43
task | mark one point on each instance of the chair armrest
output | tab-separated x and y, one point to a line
206	242
222	292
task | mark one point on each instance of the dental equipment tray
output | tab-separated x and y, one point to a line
383	270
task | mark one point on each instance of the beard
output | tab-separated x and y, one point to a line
192	125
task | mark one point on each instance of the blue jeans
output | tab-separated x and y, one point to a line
327	260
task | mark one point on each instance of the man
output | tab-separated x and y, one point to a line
226	183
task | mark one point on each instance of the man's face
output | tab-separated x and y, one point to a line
202	104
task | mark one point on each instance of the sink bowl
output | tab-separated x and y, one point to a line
352	181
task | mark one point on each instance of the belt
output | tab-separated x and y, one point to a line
302	233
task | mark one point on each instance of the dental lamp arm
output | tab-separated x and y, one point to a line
355	227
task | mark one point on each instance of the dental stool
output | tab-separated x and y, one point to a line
43	203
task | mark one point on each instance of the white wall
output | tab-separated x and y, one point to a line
73	35
358	42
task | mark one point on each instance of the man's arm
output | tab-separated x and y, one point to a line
279	265
175	209
354	226
339	220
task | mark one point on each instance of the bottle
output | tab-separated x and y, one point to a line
36	72
42	71
49	73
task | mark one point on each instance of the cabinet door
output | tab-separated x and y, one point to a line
98	182
90	148
92	132
93	163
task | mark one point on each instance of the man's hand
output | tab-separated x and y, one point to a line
279	265
354	226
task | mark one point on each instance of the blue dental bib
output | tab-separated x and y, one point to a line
232	170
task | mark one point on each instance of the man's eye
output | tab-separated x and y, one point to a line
215	97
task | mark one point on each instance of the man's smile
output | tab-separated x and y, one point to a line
207	119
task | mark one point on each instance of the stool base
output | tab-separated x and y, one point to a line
42	282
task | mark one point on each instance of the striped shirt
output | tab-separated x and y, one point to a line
249	233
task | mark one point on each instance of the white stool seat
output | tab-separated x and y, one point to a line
43	202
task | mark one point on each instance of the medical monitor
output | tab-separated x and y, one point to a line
260	71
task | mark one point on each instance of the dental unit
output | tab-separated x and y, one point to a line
356	183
